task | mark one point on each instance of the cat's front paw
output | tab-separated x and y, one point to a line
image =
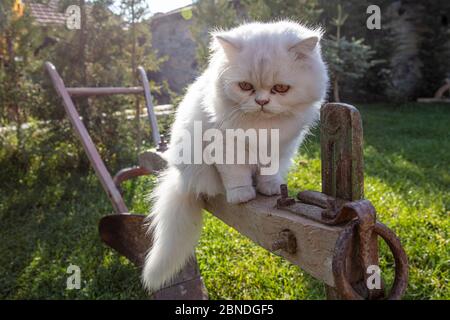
269	187
240	194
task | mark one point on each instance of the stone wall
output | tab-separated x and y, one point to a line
171	37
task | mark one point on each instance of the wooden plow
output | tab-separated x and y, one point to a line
332	235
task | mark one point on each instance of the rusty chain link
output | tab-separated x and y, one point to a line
360	219
343	252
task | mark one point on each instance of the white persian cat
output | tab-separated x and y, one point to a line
261	76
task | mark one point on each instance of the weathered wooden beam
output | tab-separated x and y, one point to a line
263	223
341	138
104	91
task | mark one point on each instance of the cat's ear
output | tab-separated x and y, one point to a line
305	46
228	44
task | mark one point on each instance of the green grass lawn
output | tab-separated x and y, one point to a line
48	220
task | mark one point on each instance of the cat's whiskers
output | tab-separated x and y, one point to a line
235	110
222	72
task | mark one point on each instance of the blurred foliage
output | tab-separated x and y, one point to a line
133	11
407	58
102	53
18	91
209	15
434	23
347	59
305	11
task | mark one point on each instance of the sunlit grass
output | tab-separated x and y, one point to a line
46	225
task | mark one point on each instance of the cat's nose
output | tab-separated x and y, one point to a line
262	102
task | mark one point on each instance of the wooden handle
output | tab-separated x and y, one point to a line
105	91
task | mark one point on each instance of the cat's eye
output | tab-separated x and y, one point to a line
245	86
281	88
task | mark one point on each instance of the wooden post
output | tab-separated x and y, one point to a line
343	173
88	145
342	153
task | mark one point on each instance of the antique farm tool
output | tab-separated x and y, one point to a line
122	231
332	234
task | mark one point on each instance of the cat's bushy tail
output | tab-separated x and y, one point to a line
176	222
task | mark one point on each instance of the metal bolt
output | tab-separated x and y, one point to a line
162	145
286	242
284	191
279	244
284	200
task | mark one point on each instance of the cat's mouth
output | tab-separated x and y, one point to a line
267	113
271	111
261	111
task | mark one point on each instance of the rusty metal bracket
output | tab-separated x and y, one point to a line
325	209
333	212
343	253
163	144
286	242
127	174
284	199
360	217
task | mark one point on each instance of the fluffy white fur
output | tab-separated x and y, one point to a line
262	54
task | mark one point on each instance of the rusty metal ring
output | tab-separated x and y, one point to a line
342	252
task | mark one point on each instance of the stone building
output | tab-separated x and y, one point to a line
172	38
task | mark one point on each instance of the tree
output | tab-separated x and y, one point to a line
305	11
17	90
432	27
104	52
133	11
347	59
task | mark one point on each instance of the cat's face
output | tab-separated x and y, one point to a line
269	73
